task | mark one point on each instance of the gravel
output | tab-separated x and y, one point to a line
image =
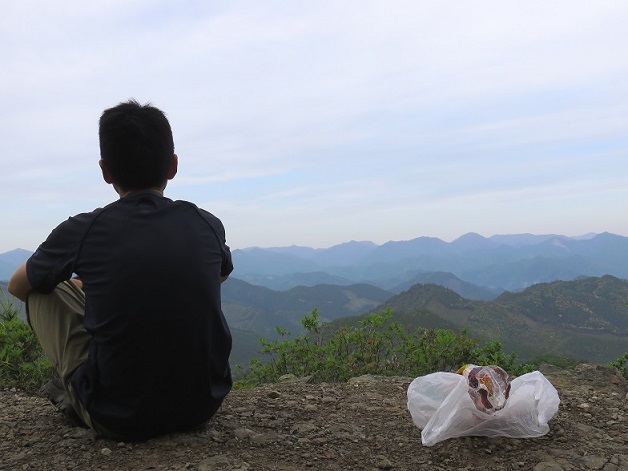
363	424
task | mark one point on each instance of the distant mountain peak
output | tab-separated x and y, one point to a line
18	251
366	243
472	240
471	236
608	235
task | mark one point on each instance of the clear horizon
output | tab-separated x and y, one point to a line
575	236
317	124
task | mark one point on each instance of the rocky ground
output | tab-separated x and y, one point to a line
360	425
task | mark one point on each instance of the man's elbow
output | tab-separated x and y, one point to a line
15	290
19	285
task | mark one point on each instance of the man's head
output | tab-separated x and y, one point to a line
136	147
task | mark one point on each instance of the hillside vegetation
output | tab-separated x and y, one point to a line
258	309
326	352
584	319
589	305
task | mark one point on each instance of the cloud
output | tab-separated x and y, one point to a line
378	120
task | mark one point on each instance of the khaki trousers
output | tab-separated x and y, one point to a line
57	320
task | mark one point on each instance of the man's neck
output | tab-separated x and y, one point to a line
124	193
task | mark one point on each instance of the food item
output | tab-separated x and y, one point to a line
488	386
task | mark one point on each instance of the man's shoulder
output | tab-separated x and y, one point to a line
202	212
83	218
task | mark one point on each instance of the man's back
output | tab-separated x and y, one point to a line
151	269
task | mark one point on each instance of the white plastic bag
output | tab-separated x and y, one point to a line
442	408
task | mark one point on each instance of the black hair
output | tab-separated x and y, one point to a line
136	144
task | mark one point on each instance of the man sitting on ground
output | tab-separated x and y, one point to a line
137	336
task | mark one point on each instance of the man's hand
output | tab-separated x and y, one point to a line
77	282
19	286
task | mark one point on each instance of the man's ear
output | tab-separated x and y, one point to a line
106	175
174	164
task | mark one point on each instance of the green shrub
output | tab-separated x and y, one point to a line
621	364
22	361
491	354
377	346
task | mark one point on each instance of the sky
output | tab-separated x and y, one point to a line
317	123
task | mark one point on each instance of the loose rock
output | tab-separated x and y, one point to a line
361	425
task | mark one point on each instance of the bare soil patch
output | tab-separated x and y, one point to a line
359	425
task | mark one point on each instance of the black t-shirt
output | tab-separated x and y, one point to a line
151	268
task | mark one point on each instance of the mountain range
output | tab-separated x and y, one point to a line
487	266
536	294
474	266
585	319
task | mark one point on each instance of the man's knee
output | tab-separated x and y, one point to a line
35	304
66	298
57	320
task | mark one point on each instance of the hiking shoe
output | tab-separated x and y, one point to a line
54	391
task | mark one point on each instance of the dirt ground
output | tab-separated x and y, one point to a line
359	425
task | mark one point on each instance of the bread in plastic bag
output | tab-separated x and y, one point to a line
441	405
488	386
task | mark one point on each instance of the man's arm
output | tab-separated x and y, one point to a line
223	278
19	286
